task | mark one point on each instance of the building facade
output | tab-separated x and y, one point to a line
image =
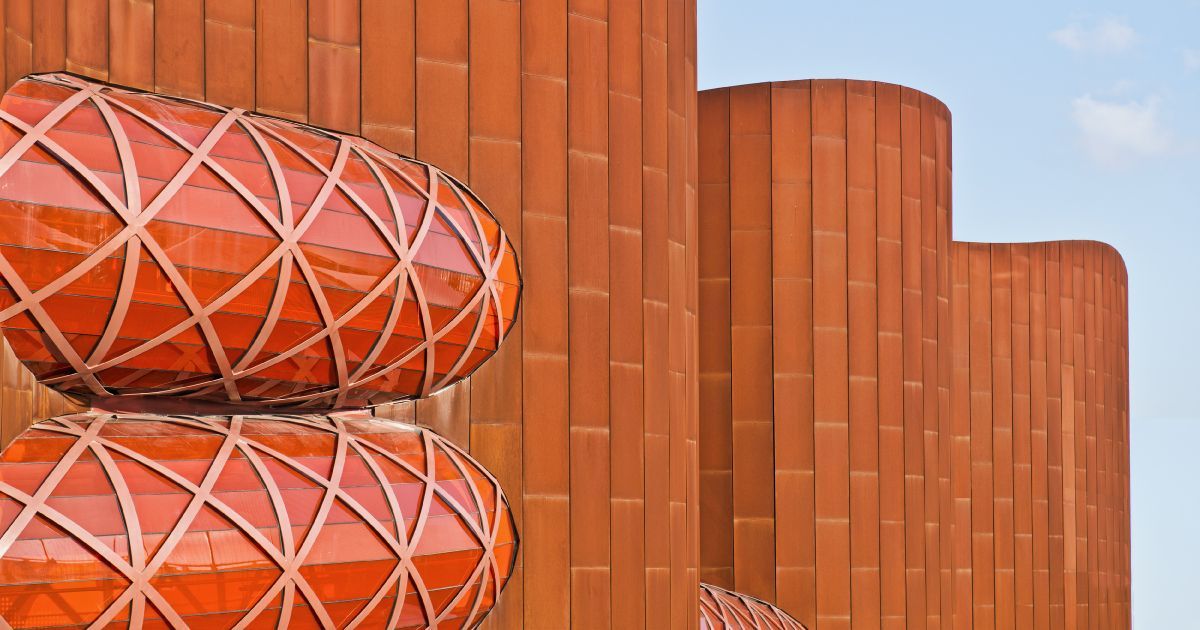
749	352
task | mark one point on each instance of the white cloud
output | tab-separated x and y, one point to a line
1117	133
1103	36
1191	60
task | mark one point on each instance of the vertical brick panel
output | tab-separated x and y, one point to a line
961	425
982	538
179	48
18	39
943	172
1054	444
1106	417
442	107
1002	435
830	371
750	324
688	148
930	391
4	43
655	281
1082	491
49	35
1108	420
1083	429
281	54
334	66
1085	397
1094	411
680	213
912	240
716	449
863	329
588	308
546	533
389	50
495	168
229	52
1069	449
87	38
1040	443
1022	438
889	239
792	348
627	508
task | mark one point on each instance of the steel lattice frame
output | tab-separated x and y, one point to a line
491	259
95	436
721	609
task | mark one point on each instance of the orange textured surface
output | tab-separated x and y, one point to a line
575	121
164	247
253	521
725	610
944	444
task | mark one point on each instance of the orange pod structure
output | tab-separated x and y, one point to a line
255	521
159	246
721	610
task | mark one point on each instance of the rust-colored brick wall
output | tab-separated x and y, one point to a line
824	374
575	121
886	416
1041	428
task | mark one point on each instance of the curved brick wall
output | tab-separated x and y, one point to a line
1040	410
888	439
824	383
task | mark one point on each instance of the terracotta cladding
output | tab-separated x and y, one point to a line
575	121
1041	413
898	431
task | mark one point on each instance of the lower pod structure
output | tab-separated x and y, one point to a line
721	609
149	521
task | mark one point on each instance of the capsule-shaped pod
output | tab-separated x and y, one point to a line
247	521
152	245
721	609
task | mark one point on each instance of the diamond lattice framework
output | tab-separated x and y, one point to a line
157	245
721	609
247	521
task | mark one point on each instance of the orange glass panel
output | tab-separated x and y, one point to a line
191	250
231	516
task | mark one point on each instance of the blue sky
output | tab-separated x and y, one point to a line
1071	120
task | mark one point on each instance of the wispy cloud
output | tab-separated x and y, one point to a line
1191	60
1107	35
1115	134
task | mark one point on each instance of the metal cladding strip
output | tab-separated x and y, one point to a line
228	521
721	609
306	346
